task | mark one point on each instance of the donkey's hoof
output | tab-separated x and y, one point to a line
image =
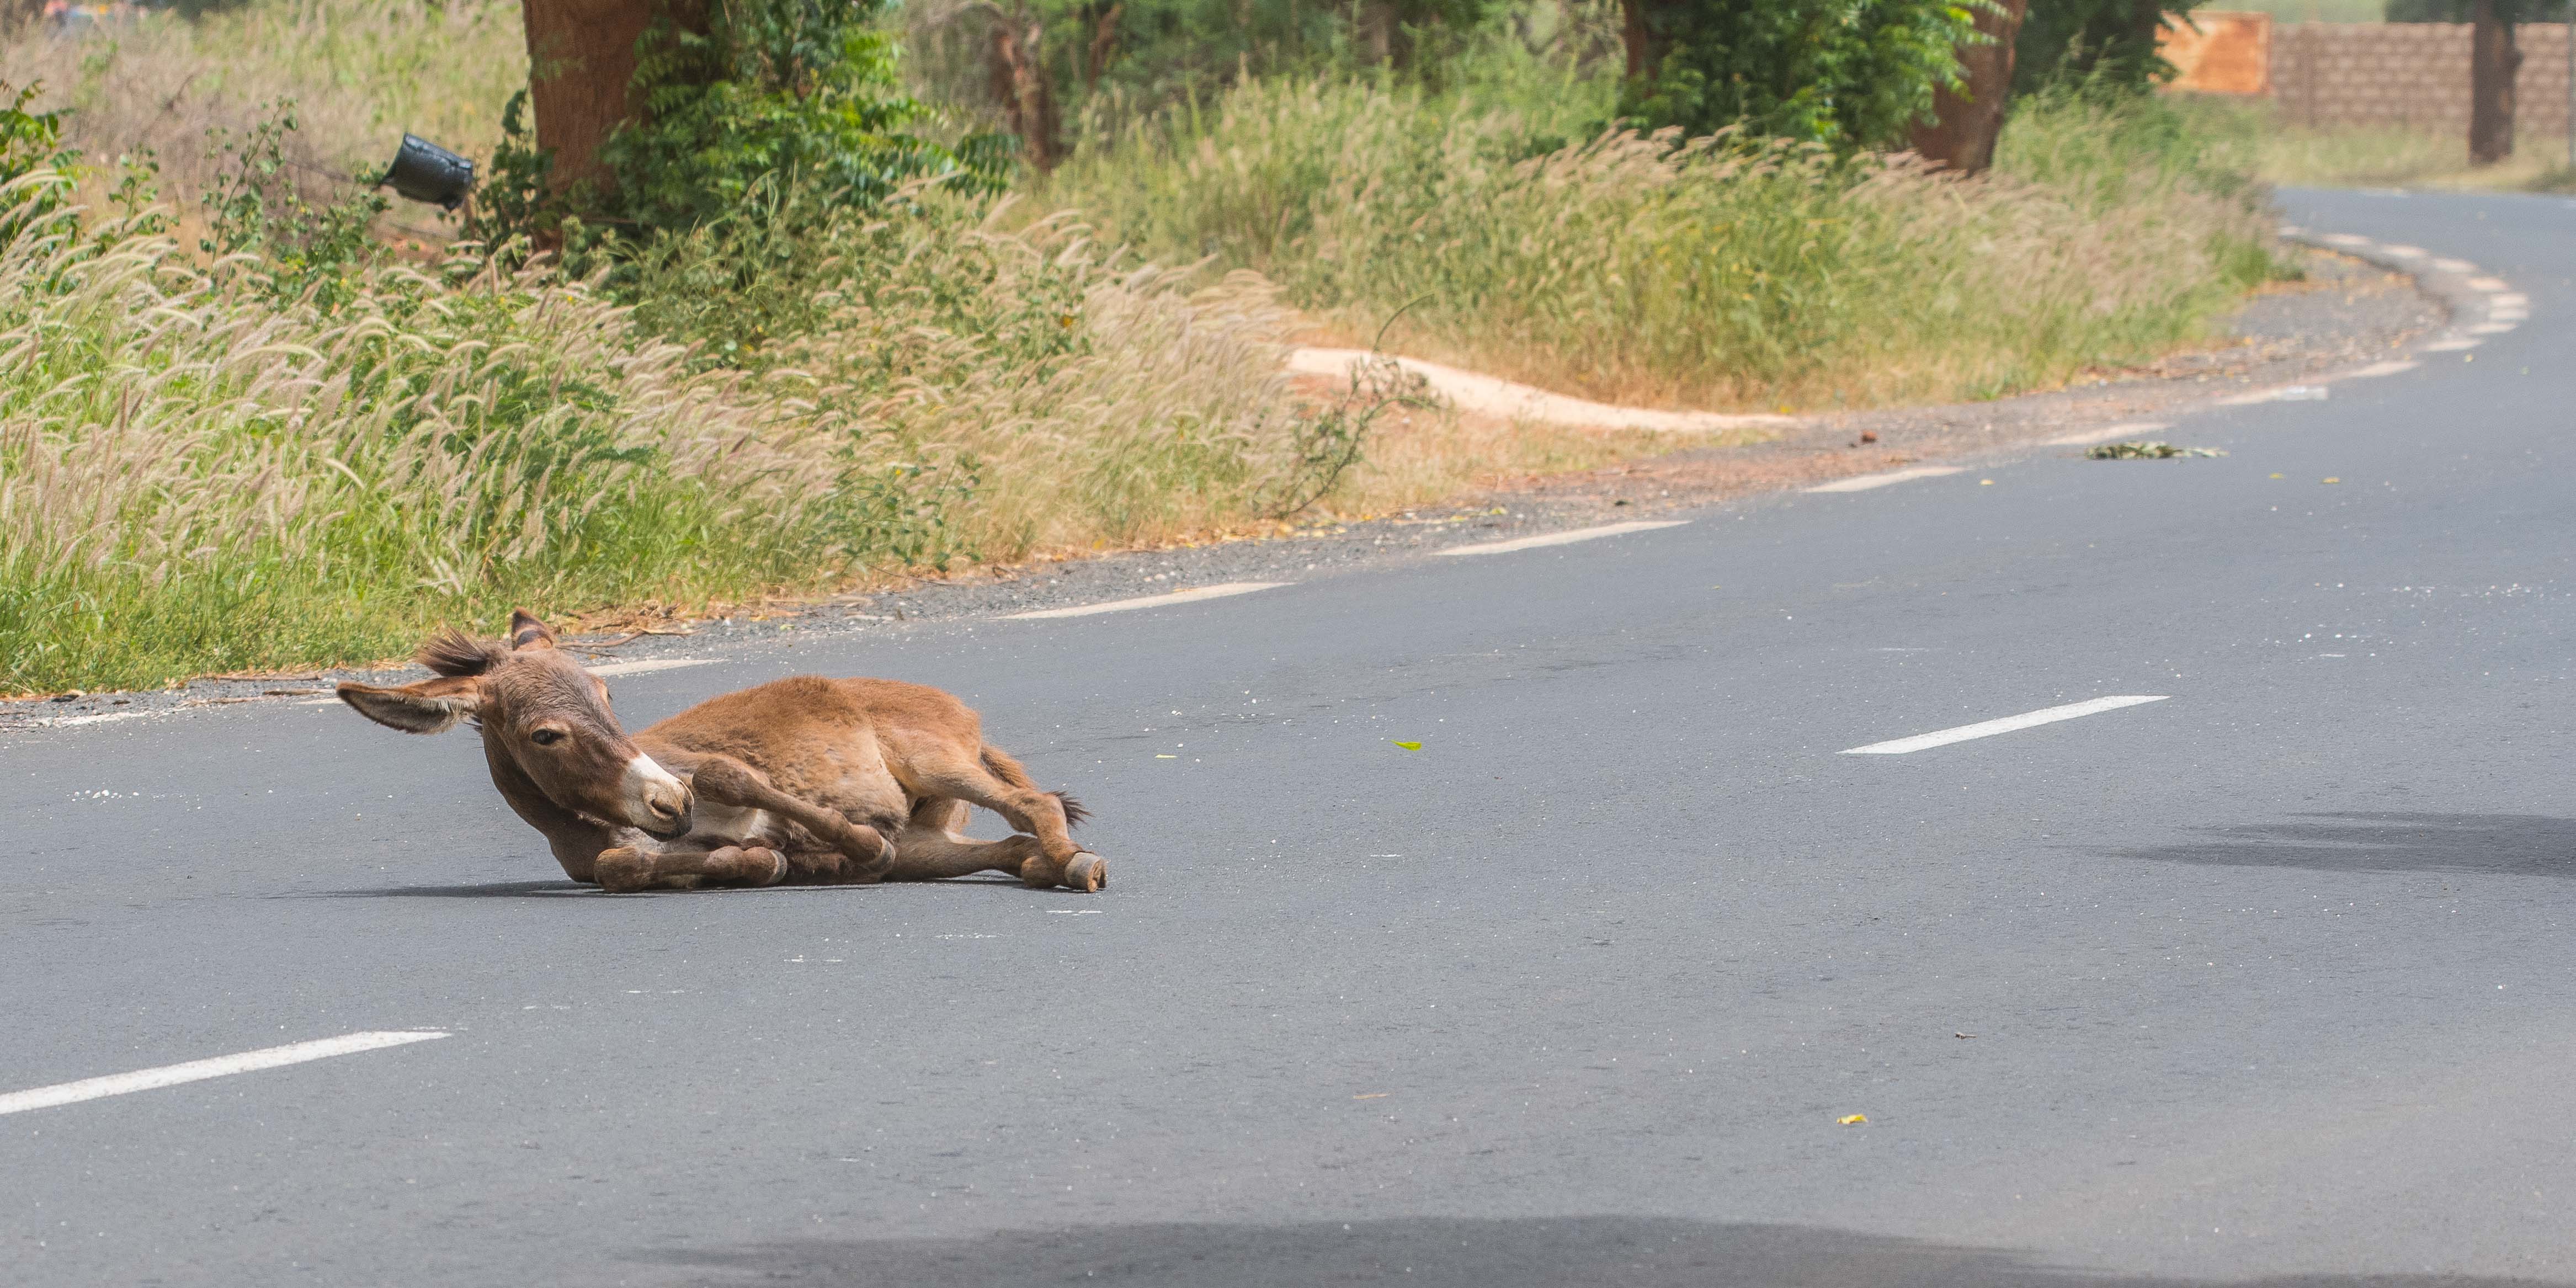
621	870
1086	872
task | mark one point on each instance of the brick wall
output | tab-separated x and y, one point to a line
2411	75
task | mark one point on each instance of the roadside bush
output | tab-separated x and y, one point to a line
1714	272
199	475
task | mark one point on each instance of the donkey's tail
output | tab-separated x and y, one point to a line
1009	771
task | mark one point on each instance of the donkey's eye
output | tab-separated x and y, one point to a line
546	737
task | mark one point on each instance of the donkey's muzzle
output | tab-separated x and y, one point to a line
657	802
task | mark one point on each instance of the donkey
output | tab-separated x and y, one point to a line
807	779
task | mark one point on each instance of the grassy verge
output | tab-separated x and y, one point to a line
196	475
2283	152
1713	273
362	73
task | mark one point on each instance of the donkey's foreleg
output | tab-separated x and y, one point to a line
625	869
727	781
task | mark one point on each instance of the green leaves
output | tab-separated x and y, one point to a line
1845	73
794	94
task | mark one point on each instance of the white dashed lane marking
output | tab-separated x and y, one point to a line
2008	724
1867	481
1151	601
171	1075
1562	538
641	665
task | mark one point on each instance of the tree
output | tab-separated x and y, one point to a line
2107	43
581	75
1965	123
1848	73
2494	60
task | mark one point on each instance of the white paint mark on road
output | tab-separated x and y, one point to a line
2509	300
2085	437
2491	328
1989	728
2405	252
2283	393
2344	239
2488	284
171	1075
2453	345
1867	481
1152	601
2388	368
2508	315
1562	538
2455	266
65	722
642	665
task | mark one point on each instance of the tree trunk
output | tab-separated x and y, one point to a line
1643	35
1962	129
1018	69
2493	63
1379	33
581	60
1104	44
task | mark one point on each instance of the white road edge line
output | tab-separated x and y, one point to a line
1989	728
171	1075
1562	538
643	664
1865	482
1150	601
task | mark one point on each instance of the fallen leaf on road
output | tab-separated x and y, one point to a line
1853	1120
1374	1095
1408	746
2334	480
1963	1035
1985	482
1160	756
2144	451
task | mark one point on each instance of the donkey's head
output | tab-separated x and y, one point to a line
542	716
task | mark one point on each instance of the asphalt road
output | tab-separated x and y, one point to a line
2270	980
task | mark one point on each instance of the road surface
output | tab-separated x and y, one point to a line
2271	979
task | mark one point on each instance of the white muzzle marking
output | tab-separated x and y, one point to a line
645	782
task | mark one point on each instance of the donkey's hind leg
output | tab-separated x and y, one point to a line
995	781
624	869
932	846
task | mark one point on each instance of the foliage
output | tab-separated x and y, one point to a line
800	93
2108	44
31	144
258	210
200	473
1715	272
1846	73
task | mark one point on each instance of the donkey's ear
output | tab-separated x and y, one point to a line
527	632
431	706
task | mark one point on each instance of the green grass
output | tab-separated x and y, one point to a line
1714	273
197	477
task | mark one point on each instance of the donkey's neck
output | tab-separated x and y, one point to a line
576	841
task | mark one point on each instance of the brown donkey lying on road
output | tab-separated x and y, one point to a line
806	779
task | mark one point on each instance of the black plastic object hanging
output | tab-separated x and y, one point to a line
424	171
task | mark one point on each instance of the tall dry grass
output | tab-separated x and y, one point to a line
1709	273
195	477
361	73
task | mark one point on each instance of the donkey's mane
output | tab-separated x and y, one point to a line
450	653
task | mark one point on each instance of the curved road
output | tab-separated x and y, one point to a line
2273	979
